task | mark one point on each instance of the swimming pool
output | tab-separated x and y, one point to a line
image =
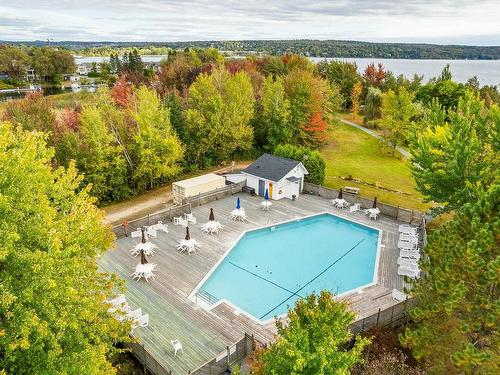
270	268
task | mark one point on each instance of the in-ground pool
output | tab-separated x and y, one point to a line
270	268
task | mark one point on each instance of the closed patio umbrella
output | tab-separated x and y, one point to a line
188	236
266	195
238	205
211	217
143	257
340	194
375	203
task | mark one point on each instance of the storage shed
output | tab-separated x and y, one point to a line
196	185
284	178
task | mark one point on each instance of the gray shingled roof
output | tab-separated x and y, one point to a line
271	167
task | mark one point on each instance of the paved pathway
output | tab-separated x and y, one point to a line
403	152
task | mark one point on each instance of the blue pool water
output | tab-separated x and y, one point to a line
270	268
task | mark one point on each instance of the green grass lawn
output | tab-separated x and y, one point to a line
351	152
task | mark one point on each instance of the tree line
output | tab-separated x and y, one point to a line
310	47
199	111
48	63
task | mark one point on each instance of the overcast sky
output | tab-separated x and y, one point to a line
438	21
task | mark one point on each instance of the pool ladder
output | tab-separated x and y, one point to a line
207	297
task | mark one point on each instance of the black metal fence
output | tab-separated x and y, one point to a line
398	213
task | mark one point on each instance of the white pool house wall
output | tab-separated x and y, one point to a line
282	188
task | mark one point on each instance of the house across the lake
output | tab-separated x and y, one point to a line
283	178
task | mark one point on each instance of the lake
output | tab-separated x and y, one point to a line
487	71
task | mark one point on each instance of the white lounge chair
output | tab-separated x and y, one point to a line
409	254
398	296
176	346
408	237
142	321
408	262
119	300
405	228
355	207
407	271
405	245
134	314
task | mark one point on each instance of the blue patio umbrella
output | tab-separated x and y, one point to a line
266	195
238	205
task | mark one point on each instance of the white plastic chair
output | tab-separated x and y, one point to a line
177	346
190	218
136	233
355	207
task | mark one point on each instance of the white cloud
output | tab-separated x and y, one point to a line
446	21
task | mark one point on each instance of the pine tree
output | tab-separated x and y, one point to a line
457	316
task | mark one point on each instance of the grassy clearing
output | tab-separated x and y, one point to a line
351	152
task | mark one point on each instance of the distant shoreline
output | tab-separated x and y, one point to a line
308	47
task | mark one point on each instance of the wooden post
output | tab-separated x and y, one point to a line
392	313
378	316
227	355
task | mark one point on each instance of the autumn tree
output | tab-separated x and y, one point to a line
455	153
374	76
34	112
53	319
220	107
314	341
313	101
398	114
456	318
355	99
122	91
156	147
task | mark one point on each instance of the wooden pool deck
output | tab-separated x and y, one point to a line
205	334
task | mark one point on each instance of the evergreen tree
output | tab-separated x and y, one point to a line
457	316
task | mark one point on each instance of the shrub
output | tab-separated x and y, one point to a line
312	160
